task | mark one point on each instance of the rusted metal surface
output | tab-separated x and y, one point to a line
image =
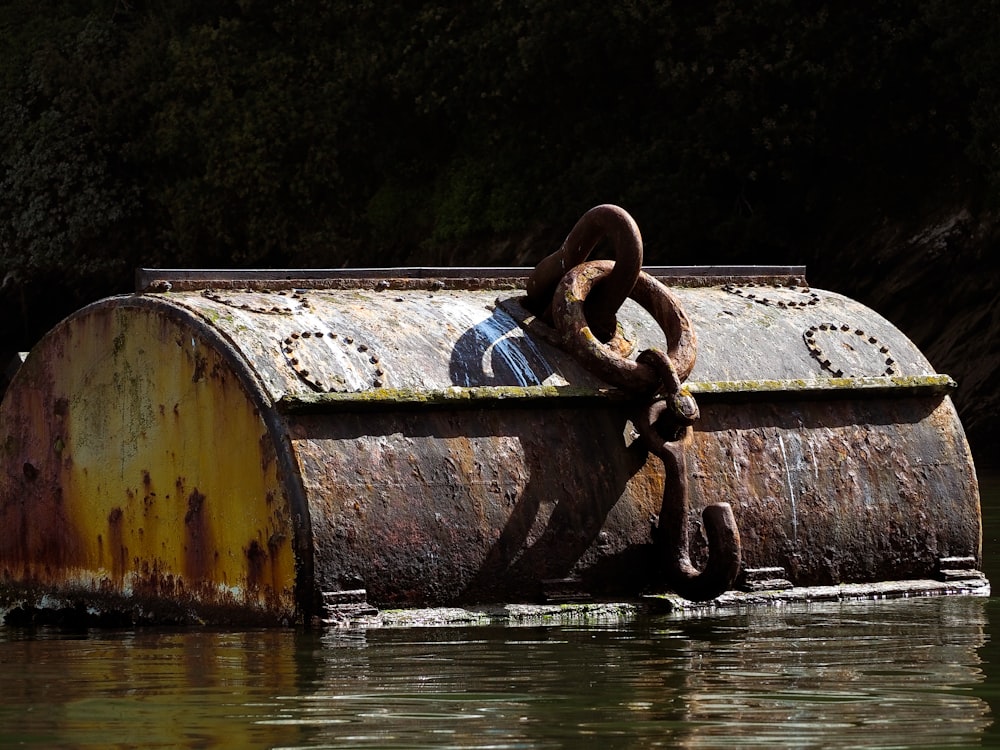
441	339
476	505
841	490
138	469
246	450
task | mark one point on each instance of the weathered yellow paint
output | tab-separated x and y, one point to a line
164	477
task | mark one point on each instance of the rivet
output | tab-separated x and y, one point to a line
304	373
373	359
872	340
362	347
890	361
348	339
859	332
306	334
295	335
288	350
838	374
845	327
319	334
294	360
377	383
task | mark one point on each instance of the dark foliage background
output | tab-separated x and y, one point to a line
860	139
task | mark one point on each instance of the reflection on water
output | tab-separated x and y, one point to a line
906	673
893	673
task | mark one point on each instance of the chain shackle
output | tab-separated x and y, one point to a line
600	222
606	359
670	411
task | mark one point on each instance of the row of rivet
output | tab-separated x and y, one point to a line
282	309
739	291
291	342
824	361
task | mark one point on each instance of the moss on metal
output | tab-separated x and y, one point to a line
534	395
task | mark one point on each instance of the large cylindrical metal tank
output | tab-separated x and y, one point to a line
242	447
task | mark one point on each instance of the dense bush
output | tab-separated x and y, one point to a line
333	133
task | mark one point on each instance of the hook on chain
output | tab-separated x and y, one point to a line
665	428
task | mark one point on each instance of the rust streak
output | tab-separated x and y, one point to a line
197	539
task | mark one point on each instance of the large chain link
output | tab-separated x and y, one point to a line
599	223
560	289
605	359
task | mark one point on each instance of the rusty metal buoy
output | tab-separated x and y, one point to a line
280	446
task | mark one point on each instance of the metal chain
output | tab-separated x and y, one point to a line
664	424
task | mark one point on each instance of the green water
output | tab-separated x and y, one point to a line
903	673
